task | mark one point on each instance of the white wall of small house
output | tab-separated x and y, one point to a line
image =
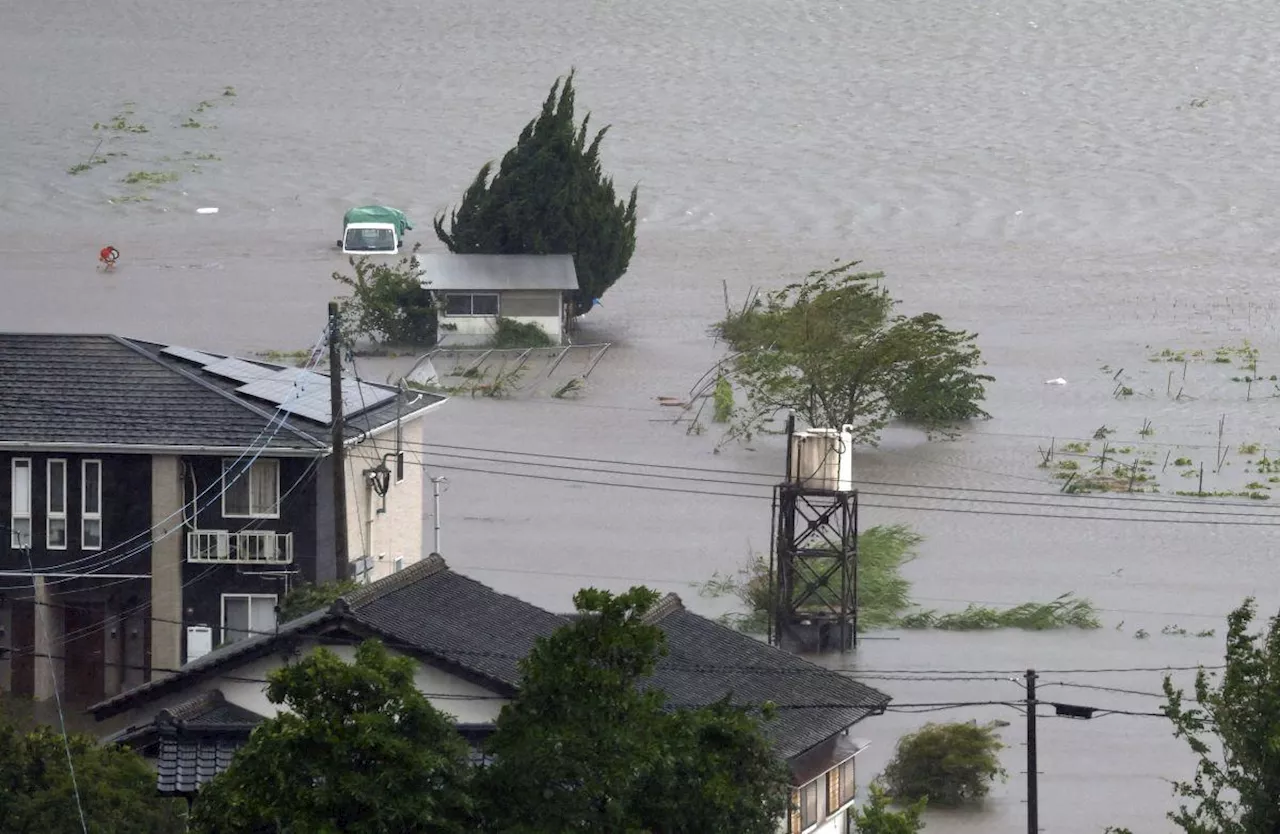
241	686
545	308
396	533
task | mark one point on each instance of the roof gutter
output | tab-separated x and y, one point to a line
391	426
153	449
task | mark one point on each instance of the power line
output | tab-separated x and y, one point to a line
1132	498
877	505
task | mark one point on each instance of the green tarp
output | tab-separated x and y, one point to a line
378	214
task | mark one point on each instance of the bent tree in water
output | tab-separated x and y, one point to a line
832	349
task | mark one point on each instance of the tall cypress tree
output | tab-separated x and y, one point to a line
549	197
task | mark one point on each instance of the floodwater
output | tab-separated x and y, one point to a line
1084	184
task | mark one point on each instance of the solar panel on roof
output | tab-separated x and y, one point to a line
238	370
306	394
196	356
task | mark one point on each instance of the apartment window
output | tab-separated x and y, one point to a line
247	615
399	467
840	785
471	304
20	515
56	516
254	493
91	505
807	808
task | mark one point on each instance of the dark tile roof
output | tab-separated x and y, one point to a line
707	661
206	713
184	764
454	618
455	621
103	390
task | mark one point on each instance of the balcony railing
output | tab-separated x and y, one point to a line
244	547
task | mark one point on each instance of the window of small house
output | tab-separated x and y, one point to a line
808	810
254	493
471	304
840	785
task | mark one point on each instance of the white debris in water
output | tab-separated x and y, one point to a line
1058	381
206	211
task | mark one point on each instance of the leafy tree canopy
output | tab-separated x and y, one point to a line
832	349
878	816
1233	726
388	304
361	752
586	747
116	788
303	599
549	197
948	764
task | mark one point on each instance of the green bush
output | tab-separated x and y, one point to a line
948	764
516	334
388	303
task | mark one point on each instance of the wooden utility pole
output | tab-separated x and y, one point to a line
339	447
1033	787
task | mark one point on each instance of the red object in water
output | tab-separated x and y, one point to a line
109	255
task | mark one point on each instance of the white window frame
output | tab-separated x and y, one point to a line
253	631
246	475
85	515
497	307
15	515
49	515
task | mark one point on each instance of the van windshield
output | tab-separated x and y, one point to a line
370	240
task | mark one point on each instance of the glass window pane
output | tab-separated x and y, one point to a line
484	305
457	305
264	481
21	533
262	614
57	533
57	486
235	496
235	618
92	488
92	534
22	487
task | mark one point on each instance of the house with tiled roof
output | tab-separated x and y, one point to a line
161	500
468	640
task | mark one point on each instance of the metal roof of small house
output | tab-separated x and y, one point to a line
480	634
498	272
97	391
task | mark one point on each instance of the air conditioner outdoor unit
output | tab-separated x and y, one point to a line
199	642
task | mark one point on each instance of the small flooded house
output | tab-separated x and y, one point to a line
474	291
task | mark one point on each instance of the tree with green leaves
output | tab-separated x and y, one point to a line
1233	727
947	764
832	349
360	751
114	789
306	598
550	197
585	746
388	303
878	816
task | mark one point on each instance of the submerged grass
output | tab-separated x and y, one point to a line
884	596
1067	611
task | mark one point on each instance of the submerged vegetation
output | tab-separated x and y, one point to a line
124	126
884	595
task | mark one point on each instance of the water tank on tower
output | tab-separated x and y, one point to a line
822	459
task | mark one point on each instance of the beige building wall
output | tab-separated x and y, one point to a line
391	529
166	564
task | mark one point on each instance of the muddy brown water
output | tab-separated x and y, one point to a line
1083	184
